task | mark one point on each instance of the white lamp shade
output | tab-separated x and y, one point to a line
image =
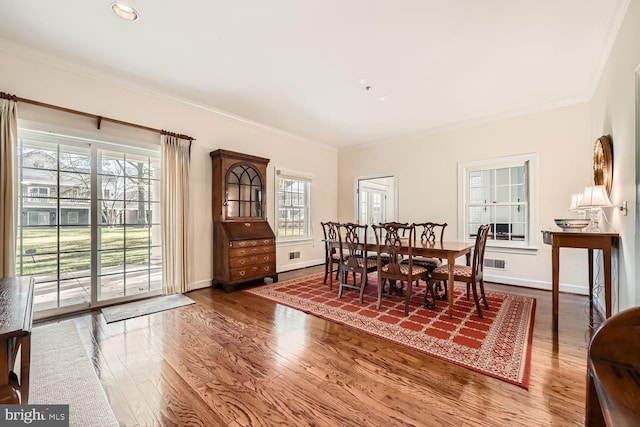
575	202
595	197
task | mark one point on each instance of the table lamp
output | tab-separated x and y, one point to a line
594	198
575	201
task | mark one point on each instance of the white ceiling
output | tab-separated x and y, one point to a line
296	65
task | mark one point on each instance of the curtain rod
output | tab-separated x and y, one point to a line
99	119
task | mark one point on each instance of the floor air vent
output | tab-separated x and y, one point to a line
498	264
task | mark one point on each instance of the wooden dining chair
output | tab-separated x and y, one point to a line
470	274
385	256
427	233
352	247
331	255
396	240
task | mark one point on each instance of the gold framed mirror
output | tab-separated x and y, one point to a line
603	162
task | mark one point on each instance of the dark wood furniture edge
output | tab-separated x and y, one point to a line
238	156
613	372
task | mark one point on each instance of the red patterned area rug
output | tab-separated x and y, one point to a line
499	345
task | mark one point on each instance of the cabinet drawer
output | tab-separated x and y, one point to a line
252	271
258	250
250	243
251	260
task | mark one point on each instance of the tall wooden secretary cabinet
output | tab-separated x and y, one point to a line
244	247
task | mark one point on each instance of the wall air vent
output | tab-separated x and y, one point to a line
496	264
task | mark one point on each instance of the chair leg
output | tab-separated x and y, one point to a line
429	289
330	270
469	284
326	271
483	296
380	290
475	298
363	284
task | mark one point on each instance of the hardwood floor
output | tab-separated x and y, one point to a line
238	360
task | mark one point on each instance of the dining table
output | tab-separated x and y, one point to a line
449	250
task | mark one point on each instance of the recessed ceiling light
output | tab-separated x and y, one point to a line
383	98
125	12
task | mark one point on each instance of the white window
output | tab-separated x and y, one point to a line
37	218
72	217
293	211
500	192
35	193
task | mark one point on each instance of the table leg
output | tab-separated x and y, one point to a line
555	284
25	368
8	394
590	267
606	252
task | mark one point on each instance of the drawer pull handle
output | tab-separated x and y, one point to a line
241	262
254	243
242	273
254	269
267	268
241	244
266	258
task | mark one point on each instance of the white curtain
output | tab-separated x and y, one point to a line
8	185
175	214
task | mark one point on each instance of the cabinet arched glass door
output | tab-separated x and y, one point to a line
243	193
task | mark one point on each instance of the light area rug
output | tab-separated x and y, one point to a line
144	307
499	345
62	373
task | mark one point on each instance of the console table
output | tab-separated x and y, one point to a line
16	316
604	241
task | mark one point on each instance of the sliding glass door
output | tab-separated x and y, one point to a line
89	224
128	234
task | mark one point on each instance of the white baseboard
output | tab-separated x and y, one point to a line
537	284
298	265
200	284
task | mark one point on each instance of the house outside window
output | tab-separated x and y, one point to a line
500	192
36	193
292	216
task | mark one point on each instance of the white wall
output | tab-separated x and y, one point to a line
614	112
426	167
31	79
564	139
